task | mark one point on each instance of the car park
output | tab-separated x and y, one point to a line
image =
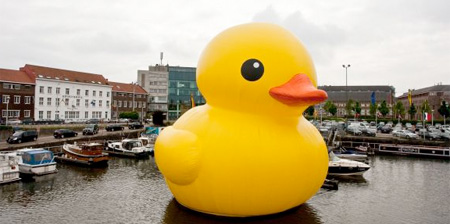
64	133
90	129
114	127
135	125
23	136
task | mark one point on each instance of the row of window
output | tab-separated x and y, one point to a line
16	113
58	101
15	86
67	91
137	104
157	91
129	94
158	83
72	115
17	99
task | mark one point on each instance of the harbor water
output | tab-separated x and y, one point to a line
394	190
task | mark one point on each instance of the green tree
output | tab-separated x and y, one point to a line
425	108
357	108
333	109
444	110
412	111
310	110
384	110
349	107
399	109
130	115
373	109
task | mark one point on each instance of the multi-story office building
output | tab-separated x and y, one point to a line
340	95
182	85
433	94
155	82
127	97
170	89
17	95
69	95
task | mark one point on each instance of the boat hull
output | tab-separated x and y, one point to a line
86	155
38	170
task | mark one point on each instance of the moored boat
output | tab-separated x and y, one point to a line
128	148
9	168
90	154
36	162
339	167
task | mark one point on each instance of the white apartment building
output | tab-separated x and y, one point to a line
155	82
69	95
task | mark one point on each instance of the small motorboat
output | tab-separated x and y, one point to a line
339	167
9	168
36	162
344	153
128	148
90	154
148	143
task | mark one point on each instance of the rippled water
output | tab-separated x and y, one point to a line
394	190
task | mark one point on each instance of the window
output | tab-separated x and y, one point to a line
67	91
11	113
86	115
86	92
130	104
125	103
41	115
100	103
107	94
16	99
119	103
57	100
66	101
100	93
86	103
41	101
78	102
143	105
107	103
139	104
5	99
78	92
27	99
106	114
94	93
41	89
115	103
93	103
58	90
26	113
49	115
49	101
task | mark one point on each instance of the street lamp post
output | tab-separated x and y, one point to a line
346	86
432	117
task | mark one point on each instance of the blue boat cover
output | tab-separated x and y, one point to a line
38	156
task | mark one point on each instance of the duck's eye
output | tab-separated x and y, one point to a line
252	69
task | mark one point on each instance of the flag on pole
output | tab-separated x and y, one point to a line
192	101
427	116
410	97
372	97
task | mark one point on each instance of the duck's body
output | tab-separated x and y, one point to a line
252	154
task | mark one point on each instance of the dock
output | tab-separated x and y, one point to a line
414	150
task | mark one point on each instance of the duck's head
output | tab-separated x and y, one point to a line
258	68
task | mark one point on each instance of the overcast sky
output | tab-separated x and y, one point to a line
403	43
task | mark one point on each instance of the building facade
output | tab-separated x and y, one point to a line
69	95
340	95
182	87
434	95
17	95
155	82
127	97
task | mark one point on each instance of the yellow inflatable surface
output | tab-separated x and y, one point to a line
248	151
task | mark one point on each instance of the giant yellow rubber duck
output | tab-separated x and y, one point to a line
248	151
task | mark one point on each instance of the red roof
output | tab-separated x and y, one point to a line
127	87
15	76
64	75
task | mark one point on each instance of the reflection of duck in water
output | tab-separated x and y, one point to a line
248	151
176	213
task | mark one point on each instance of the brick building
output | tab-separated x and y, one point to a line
17	95
128	97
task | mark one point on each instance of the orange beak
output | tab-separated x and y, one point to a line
298	91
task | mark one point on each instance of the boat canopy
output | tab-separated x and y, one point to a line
37	157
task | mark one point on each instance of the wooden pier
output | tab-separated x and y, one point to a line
414	150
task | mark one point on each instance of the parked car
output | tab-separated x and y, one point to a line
114	127
428	135
93	121
90	129
354	130
135	125
445	134
22	136
405	134
387	128
27	121
63	133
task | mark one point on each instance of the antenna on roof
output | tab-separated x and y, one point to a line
161	57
